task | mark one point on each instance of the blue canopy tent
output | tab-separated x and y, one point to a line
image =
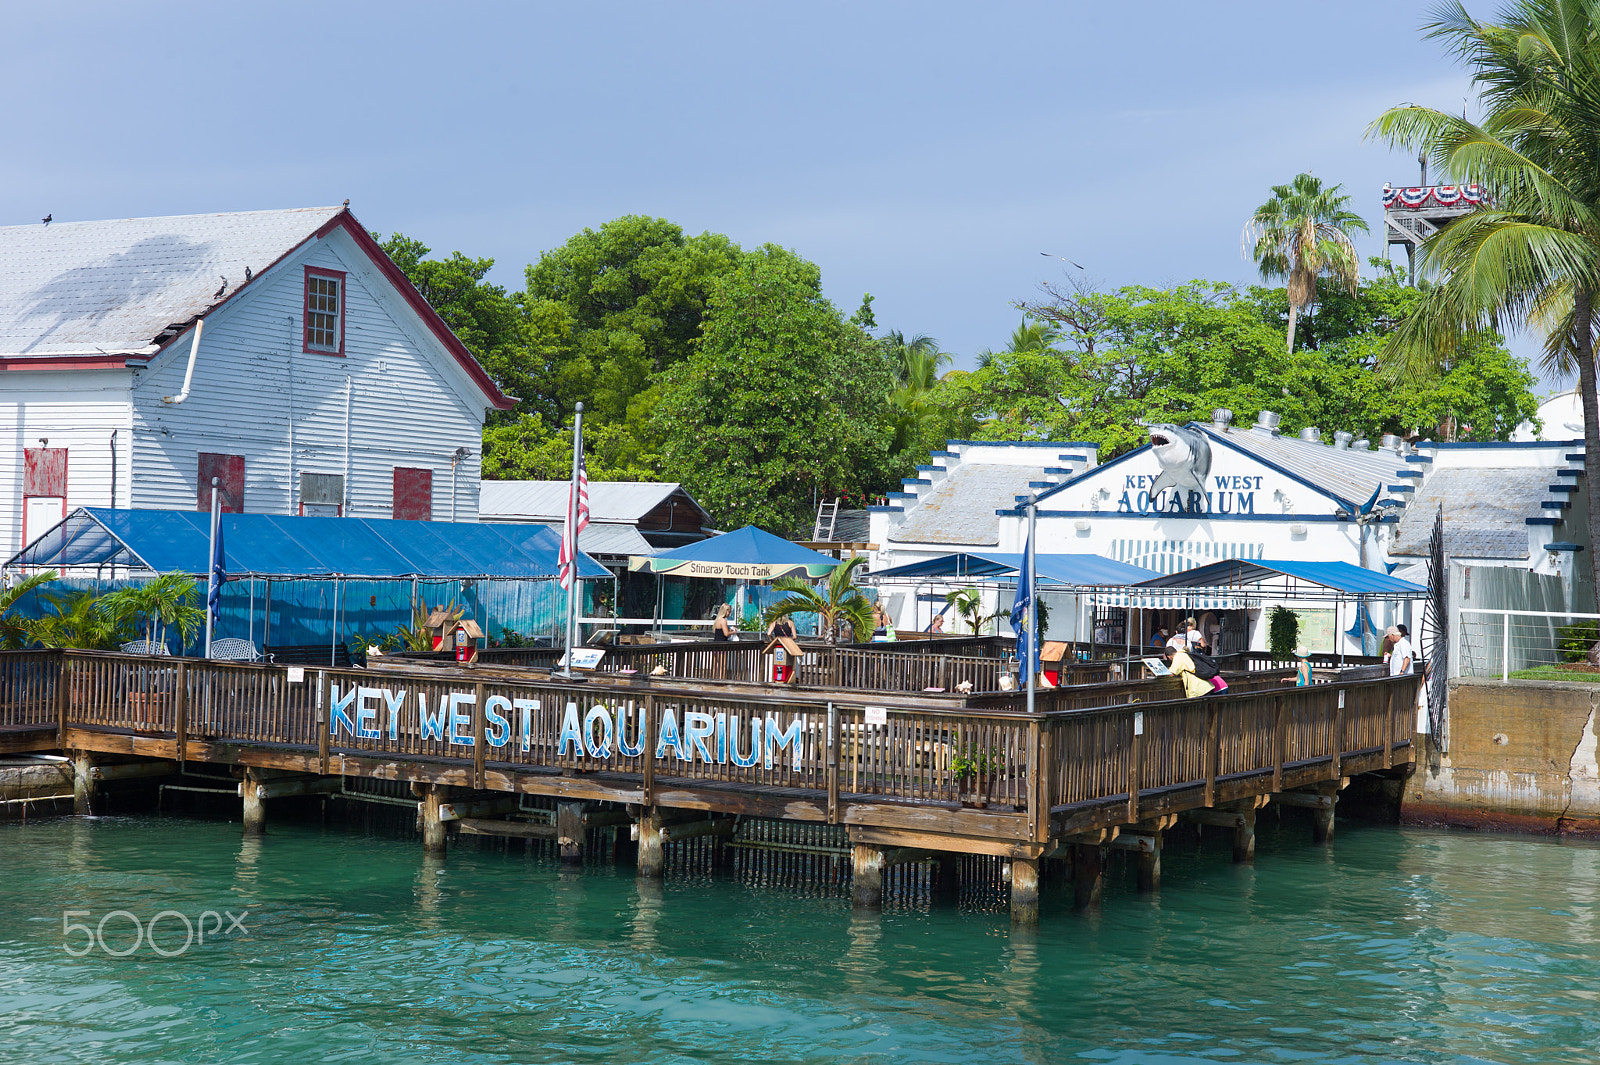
101	541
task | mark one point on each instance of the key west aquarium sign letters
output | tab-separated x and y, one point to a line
1183	481
602	731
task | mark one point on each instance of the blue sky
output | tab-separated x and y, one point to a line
926	153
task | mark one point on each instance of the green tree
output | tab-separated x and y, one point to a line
171	599
81	620
1300	234
918	417
783	402
528	449
14	630
835	600
1533	256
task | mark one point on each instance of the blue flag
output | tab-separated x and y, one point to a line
219	577
1022	617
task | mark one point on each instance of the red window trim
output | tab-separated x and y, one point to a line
305	309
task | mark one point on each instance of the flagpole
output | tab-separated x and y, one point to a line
212	594
575	590
1033	606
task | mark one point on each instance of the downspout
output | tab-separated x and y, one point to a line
113	469
188	374
349	397
288	359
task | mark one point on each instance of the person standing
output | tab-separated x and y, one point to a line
1182	665
1193	636
1302	668
720	629
1401	654
1159	638
936	626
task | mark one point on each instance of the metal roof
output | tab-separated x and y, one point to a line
961	508
267	545
112	287
608	538
614	501
1337	576
1069	569
1353	476
1485	511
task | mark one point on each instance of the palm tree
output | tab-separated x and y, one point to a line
1303	233
170	599
917	364
1029	338
834	600
78	620
1533	256
14	632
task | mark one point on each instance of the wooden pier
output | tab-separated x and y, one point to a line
906	773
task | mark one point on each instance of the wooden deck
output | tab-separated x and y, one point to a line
1094	760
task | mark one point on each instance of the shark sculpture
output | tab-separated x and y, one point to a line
1185	458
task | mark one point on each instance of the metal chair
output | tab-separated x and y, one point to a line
144	647
233	649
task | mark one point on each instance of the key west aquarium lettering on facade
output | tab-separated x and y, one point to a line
1224	495
602	731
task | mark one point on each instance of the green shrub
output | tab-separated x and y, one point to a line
1283	632
1577	638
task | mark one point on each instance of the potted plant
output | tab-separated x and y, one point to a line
172	599
974	770
835	600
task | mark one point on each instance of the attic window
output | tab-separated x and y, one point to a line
324	311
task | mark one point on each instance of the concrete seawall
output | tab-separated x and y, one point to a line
1522	757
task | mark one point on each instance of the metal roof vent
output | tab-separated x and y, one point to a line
1390	442
1341	440
1311	434
1267	421
1361	444
1222	417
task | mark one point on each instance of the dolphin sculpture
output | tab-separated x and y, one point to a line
1185	458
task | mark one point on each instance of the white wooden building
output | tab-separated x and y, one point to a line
320	383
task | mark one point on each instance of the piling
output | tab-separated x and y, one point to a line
1025	891
1244	836
255	807
569	832
866	877
83	784
651	854
1322	824
1149	875
1086	878
433	827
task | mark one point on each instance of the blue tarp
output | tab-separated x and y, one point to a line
265	545
1078	571
1338	576
744	554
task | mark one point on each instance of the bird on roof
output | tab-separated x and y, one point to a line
247	275
347	202
217	295
46	218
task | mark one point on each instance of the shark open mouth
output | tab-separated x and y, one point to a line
1157	440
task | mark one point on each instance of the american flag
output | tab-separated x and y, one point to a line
569	535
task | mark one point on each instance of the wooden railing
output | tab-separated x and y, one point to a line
1086	745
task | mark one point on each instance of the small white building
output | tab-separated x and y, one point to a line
320	383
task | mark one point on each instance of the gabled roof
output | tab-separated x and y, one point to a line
1073	570
111	293
277	546
961	509
612	501
1486	511
1353	478
747	553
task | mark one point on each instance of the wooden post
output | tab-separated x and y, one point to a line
1388	726
182	712
1277	743
1133	769
433	834
1086	881
833	764
1322	823
569	831
1213	753
866	877
651	856
479	754
1150	866
1025	891
63	706
1338	734
255	807
1244	836
647	786
322	718
1038	812
83	787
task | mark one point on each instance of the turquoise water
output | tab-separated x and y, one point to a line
1392	945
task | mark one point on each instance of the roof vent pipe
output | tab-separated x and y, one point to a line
1267	421
188	375
1311	434
1361	444
1341	440
1222	417
1390	442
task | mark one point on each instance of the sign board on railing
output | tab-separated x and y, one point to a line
297	674
877	715
584	657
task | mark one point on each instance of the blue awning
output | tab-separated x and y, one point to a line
1336	576
744	554
1078	571
281	547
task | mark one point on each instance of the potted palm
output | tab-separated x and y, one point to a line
835	600
974	770
170	600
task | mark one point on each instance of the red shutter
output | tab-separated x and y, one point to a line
413	494
45	471
230	470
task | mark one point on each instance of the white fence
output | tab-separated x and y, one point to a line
1498	643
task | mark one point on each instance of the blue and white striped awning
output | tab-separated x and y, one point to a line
1174	556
